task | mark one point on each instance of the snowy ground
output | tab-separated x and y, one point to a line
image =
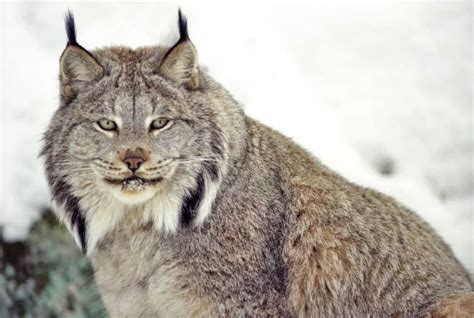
381	92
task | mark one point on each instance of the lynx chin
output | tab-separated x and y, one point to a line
186	207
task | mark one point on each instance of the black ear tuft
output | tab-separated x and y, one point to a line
70	28
183	27
180	62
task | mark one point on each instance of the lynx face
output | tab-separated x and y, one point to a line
134	142
137	131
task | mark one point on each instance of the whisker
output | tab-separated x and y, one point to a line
199	159
108	167
162	164
106	164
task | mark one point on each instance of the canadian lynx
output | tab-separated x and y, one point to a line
186	207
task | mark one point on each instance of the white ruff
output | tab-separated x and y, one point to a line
207	201
60	212
161	209
103	211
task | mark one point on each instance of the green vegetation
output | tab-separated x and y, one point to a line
46	275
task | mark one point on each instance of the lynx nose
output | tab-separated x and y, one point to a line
133	163
134	159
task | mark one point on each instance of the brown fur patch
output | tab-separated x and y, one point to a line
458	305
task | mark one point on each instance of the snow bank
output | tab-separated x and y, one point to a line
381	92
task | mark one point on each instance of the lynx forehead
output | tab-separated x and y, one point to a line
186	207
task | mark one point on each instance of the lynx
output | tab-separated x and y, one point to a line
186	207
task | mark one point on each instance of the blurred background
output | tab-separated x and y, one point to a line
380	91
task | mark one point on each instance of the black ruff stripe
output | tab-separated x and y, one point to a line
61	191
82	231
75	214
192	201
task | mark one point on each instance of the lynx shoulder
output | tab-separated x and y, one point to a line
187	207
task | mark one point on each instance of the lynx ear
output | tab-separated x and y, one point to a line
180	62
76	63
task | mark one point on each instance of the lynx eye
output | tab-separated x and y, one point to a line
159	123
107	124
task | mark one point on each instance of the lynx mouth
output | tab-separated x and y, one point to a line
133	182
133	190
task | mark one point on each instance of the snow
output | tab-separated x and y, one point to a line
379	91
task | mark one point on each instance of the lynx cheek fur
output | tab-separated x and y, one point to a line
186	207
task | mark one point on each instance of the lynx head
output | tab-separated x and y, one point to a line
140	131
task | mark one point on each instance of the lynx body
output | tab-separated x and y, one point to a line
186	207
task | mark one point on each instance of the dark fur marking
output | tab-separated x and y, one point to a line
212	169
70	28
61	192
82	230
134	106
72	34
217	146
192	201
183	27
72	208
273	244
183	32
